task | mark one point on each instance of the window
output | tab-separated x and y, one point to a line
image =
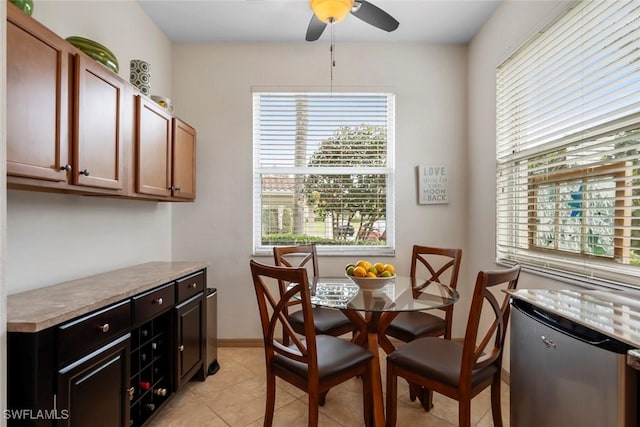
568	147
323	171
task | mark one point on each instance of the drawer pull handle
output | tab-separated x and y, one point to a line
193	285
181	348
158	301
104	328
547	342
84	172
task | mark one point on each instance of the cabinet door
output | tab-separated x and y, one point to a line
190	337
153	148
98	126
184	160
93	390
37	99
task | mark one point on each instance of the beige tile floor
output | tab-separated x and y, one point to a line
235	396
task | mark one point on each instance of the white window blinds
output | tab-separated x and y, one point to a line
323	171
568	140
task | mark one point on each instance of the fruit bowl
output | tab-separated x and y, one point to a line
371	283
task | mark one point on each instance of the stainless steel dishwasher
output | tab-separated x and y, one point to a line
564	374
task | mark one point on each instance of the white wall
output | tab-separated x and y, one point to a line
54	237
212	85
513	23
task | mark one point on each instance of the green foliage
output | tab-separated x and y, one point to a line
299	239
343	197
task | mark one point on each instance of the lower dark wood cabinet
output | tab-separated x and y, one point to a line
93	391
190	338
114	366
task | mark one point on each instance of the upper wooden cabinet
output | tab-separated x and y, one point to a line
97	142
153	148
165	153
74	126
184	160
37	99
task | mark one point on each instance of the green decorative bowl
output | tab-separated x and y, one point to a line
96	51
25	5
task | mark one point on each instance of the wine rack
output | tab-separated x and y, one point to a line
150	382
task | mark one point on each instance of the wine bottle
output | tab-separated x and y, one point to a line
160	391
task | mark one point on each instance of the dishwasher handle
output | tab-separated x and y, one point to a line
569	328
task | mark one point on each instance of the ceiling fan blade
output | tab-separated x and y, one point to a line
315	29
373	15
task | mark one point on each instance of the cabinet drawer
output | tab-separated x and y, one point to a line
152	303
189	286
87	333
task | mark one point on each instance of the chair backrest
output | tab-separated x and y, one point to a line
297	256
488	350
441	264
273	313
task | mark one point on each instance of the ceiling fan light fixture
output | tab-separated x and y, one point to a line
331	11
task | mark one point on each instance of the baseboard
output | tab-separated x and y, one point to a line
242	342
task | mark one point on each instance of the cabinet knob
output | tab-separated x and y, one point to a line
193	285
173	188
67	168
104	328
181	348
84	172
158	301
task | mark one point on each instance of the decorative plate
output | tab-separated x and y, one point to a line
96	51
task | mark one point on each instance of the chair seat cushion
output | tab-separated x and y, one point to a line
324	319
416	324
334	355
437	359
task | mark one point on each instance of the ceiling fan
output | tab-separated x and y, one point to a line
332	11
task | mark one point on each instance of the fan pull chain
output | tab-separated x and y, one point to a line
332	51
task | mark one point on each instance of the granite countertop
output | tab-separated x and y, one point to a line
611	312
33	311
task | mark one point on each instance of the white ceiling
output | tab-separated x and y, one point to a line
424	21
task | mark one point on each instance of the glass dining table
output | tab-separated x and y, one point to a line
373	310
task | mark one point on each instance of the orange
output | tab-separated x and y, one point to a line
379	267
371	274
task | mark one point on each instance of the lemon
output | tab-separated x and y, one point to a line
373	270
350	270
390	268
379	267
359	271
349	266
385	274
371	274
364	264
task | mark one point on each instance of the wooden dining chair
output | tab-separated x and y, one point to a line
432	264
460	370
326	320
312	363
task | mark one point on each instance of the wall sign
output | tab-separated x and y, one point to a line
432	184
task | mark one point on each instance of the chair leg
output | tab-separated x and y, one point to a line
425	396
313	410
367	399
392	397
413	393
271	400
464	412
323	397
496	407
